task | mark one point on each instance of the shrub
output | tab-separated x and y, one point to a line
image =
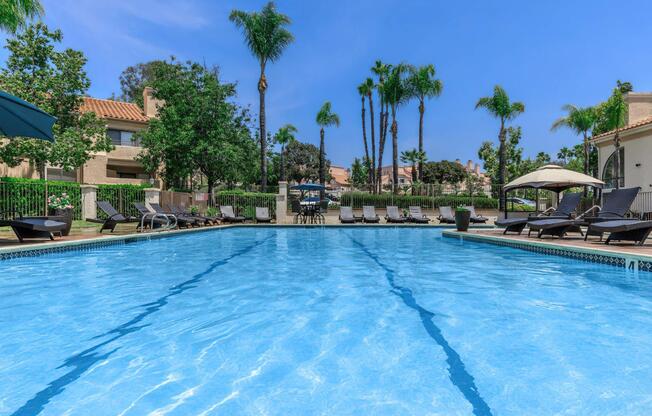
29	197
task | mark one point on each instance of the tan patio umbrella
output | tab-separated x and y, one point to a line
554	178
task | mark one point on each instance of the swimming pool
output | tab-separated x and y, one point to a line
333	321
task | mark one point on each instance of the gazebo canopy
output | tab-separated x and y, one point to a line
553	178
309	187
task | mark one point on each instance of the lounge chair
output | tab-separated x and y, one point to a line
113	217
346	215
228	215
475	218
616	205
564	211
262	214
446	215
394	215
153	219
27	227
199	219
182	220
369	214
417	216
623	230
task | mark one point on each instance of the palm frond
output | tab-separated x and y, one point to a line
326	117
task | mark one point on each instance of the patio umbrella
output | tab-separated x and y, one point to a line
553	178
309	187
18	118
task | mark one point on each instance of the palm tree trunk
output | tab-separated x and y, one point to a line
381	147
422	109
383	141
373	142
586	161
617	159
322	164
262	86
394	150
502	165
364	136
282	163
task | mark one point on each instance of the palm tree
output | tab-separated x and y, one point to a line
424	85
15	13
372	165
581	120
325	118
363	90
382	71
284	136
501	108
266	36
615	111
396	92
413	157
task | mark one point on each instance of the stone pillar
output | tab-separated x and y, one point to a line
88	201
152	196
282	203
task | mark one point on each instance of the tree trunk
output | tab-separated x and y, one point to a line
373	142
381	148
262	87
211	184
383	140
282	161
364	137
394	150
322	162
586	161
502	165
422	109
617	159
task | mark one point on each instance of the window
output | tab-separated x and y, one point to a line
122	138
609	176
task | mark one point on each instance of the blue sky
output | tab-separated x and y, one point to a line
545	54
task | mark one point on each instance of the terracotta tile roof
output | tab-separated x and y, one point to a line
340	175
639	123
114	110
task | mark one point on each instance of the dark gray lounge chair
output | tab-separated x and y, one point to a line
616	205
446	215
417	216
346	215
564	211
26	227
153	219
228	215
113	217
199	219
262	214
394	215
182	220
475	218
369	214
623	230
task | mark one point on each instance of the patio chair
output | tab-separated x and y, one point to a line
394	215
417	216
182	221
26	227
228	215
153	219
199	219
446	215
369	214
616	205
113	217
295	206
346	215
475	218
564	211
262	215
623	230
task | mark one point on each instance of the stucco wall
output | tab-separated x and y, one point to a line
638	151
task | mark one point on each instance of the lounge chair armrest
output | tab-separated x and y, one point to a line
582	215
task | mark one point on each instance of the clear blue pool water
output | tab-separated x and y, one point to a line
337	321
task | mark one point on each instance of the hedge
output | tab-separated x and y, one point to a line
122	197
358	199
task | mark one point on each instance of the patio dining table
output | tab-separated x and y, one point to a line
310	210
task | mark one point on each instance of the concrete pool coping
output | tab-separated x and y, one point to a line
620	256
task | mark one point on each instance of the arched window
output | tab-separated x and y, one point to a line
609	175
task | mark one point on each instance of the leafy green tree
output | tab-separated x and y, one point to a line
303	162
325	118
573	157
499	106
14	14
396	92
56	82
443	172
424	85
135	78
581	121
381	70
266	36
359	173
414	157
284	136
198	129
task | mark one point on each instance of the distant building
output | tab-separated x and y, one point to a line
339	179
405	177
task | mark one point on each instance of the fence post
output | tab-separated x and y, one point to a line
152	196
88	201
281	203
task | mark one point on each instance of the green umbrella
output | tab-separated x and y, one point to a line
19	118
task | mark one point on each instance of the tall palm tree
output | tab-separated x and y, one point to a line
325	118
424	85
14	14
499	106
581	120
266	36
372	165
363	90
381	70
396	92
285	136
615	112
